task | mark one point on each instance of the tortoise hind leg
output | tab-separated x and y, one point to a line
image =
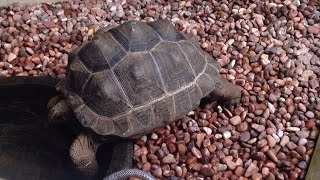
227	93
59	110
83	155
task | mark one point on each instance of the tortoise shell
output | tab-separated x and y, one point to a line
130	79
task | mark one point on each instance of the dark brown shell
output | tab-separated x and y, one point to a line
138	76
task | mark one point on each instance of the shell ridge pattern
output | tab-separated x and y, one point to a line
122	90
126	34
161	39
158	70
116	33
139	79
102	39
174	68
170	94
86	68
218	82
103	84
80	61
92	56
184	54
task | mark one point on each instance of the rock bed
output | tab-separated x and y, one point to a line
270	48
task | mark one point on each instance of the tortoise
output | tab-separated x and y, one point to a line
131	79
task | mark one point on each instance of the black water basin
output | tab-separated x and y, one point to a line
30	148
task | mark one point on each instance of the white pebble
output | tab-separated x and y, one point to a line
302	141
154	136
113	8
226	134
292	129
281	99
265	59
253	140
203	115
276	138
191	113
207	130
280	133
271	108
218	136
232	63
230	42
144	138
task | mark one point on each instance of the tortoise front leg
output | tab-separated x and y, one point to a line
83	155
227	92
59	110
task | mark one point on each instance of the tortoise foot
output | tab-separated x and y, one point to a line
83	155
227	93
59	111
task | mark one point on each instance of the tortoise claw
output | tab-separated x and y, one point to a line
60	112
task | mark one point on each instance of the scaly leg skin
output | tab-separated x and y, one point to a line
53	101
83	155
227	93
59	111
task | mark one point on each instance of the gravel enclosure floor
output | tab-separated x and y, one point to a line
270	48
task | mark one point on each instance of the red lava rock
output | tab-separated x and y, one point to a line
191	160
146	167
170	139
182	149
29	66
314	29
270	177
245	136
293	175
178	171
262	143
11	57
242	127
169	159
212	148
272	156
200	138
231	165
239	171
160	131
252	169
158	173
284	141
258	127
25	16
206	171
172	148
49	24
271	141
196	152
55	38
256	176
235	120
